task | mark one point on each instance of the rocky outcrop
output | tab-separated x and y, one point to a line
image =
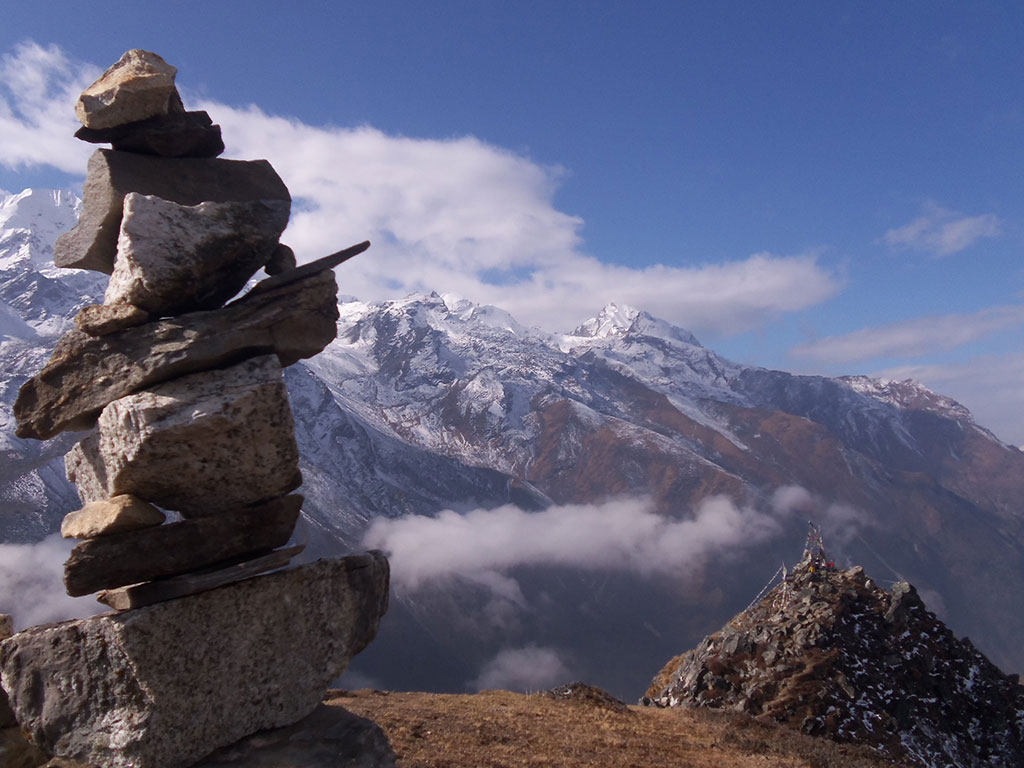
112	175
201	444
832	654
160	687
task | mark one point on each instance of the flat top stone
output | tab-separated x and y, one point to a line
104	517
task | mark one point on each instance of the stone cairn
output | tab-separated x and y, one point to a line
189	412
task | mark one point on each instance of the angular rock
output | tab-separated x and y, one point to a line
175	258
85	373
167	550
139	85
149	689
201	444
281	260
119	514
102	319
140	595
111	175
179	134
330	737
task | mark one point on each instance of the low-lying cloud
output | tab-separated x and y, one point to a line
455	216
482	546
527	669
941	232
32	587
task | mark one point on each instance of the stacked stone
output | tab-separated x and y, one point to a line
189	413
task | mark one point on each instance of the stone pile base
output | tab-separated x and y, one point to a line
165	685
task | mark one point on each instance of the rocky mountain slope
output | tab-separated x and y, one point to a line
830	653
431	402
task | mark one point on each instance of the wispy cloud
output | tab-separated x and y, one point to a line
531	668
941	232
455	215
38	89
913	338
482	546
32	587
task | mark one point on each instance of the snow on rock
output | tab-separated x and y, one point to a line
830	653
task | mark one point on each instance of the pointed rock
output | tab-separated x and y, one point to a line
139	85
175	258
176	548
111	175
179	134
119	514
85	372
162	686
200	444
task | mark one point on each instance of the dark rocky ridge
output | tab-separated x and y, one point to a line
832	654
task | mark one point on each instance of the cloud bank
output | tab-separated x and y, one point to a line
913	338
942	232
482	546
32	584
455	215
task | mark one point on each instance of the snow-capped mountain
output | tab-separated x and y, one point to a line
432	402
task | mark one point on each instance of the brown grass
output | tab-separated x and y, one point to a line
498	729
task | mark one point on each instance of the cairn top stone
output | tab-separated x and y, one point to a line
139	85
104	517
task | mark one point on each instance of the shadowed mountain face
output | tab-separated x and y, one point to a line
709	467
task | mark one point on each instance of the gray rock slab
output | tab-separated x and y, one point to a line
140	595
139	85
201	444
168	550
178	134
330	737
111	175
119	514
174	258
164	686
86	372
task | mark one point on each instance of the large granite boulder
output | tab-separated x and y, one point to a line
201	444
139	85
111	175
261	653
175	258
85	373
168	550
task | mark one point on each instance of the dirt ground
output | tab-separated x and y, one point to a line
495	729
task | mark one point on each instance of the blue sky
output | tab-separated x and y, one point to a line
819	187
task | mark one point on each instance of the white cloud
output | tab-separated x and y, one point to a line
527	669
942	232
990	386
913	338
464	217
456	216
482	546
32	587
38	89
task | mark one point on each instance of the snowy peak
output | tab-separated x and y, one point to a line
46	212
613	320
621	321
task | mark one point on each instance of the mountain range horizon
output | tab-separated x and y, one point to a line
580	504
